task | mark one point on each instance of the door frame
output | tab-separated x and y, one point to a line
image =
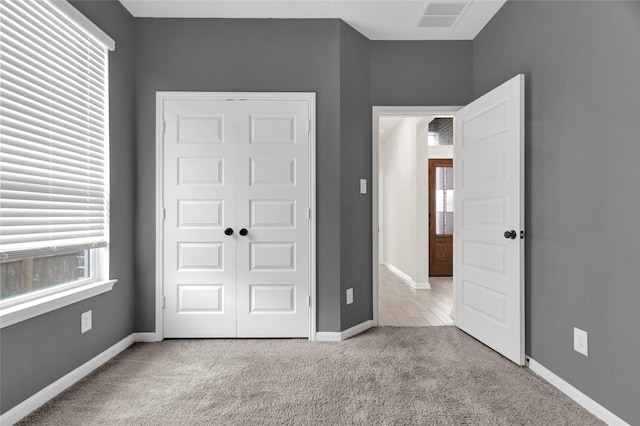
377	112
161	96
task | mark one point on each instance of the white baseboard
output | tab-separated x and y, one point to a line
147	337
407	278
36	401
338	336
422	286
328	336
589	404
400	274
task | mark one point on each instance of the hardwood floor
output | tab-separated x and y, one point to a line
402	306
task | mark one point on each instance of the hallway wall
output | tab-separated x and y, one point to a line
399	166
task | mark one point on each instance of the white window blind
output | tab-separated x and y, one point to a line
53	132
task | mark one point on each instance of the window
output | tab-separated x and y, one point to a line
54	163
444	200
33	274
440	131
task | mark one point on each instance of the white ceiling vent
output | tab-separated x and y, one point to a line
442	14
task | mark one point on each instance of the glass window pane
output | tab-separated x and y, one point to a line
444	200
33	274
440	131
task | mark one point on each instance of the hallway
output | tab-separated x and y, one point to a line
403	306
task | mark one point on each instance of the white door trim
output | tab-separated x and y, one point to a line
310	98
405	111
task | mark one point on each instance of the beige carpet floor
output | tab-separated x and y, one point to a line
386	376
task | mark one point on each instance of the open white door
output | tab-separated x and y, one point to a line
489	219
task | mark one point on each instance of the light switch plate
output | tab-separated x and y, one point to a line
363	186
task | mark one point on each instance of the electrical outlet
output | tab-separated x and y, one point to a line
85	322
580	341
349	296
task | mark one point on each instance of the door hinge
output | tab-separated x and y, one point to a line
164	213
309	301
309	214
308	126
164	126
164	302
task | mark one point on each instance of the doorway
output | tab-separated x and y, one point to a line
404	292
489	186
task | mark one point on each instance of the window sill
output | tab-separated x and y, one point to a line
23	311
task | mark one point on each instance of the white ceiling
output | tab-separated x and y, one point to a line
376	19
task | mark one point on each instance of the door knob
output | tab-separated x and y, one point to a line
228	231
510	234
244	232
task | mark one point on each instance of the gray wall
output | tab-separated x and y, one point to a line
37	352
355	164
422	73
323	56
242	55
582	67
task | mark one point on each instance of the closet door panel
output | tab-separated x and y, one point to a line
273	202
199	186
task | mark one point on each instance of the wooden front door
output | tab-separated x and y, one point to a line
441	217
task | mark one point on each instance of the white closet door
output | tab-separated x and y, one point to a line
272	205
200	203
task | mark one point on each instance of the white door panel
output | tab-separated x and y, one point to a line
200	197
273	203
489	188
236	164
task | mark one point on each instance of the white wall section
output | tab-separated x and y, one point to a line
421	211
397	153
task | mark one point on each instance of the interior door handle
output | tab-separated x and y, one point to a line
228	231
244	232
510	234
